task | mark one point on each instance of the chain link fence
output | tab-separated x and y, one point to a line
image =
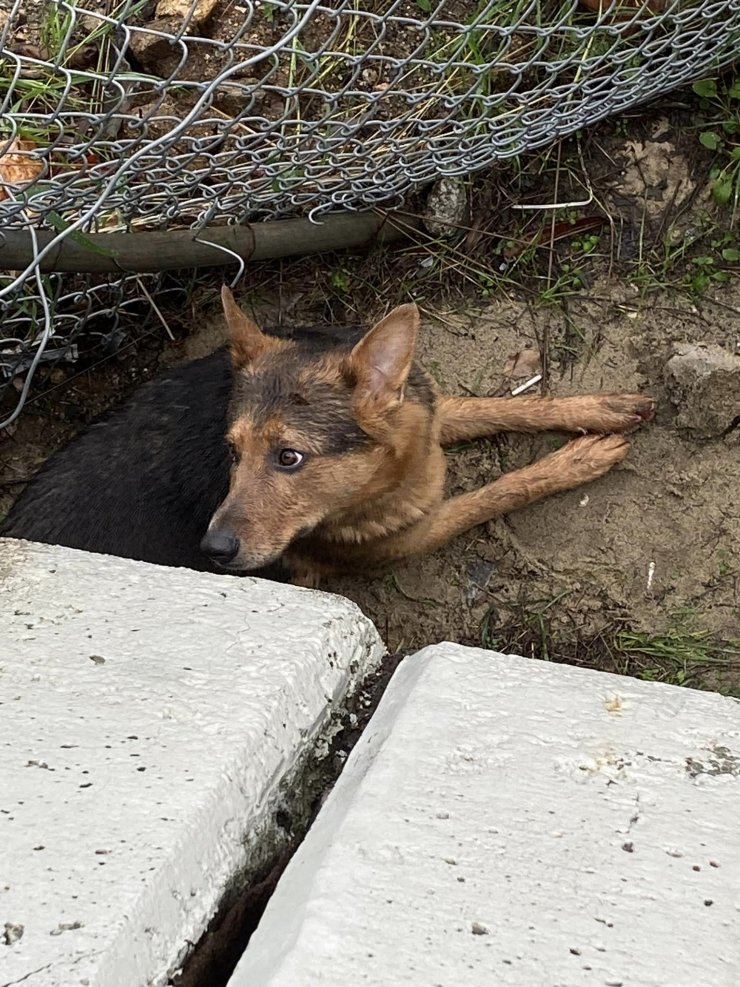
142	115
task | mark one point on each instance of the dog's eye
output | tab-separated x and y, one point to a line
289	459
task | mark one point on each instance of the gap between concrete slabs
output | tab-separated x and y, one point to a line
215	956
154	724
511	822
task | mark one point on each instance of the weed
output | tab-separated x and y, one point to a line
704	273
340	280
569	281
587	245
680	655
721	98
529	631
45	88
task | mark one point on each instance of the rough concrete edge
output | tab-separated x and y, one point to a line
266	958
328	821
263	839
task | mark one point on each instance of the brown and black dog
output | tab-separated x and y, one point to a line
338	461
336	446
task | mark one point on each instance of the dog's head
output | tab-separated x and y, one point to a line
313	434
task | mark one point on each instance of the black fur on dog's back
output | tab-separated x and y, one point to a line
144	481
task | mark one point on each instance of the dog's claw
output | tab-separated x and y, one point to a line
625	412
631	410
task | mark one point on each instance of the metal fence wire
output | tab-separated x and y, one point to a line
180	114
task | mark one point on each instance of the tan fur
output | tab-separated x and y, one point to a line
384	501
246	339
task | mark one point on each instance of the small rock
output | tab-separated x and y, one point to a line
182	8
156	54
479	930
703	382
478	577
12	933
447	208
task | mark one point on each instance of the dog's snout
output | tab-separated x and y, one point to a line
220	545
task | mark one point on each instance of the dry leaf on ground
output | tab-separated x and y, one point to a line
17	167
525	363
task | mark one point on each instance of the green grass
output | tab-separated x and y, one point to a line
44	89
528	627
680	654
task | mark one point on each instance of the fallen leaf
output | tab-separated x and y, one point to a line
525	363
561	231
17	167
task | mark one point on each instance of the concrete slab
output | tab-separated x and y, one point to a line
510	822
149	719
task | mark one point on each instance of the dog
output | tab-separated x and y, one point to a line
302	455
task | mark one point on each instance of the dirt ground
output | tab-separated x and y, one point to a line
573	570
640	571
564	576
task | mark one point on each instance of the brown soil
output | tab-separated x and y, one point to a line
567	572
567	578
575	567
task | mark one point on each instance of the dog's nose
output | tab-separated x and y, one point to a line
220	545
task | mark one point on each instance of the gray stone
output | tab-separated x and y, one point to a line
447	208
703	382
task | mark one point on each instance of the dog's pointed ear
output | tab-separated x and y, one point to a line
382	359
246	339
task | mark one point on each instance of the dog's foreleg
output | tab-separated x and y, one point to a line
472	418
576	463
307	576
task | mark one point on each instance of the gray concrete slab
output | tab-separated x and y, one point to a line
504	821
149	718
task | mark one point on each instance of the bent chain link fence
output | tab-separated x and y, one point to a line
135	115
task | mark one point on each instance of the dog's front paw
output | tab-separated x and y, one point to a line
589	457
625	412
